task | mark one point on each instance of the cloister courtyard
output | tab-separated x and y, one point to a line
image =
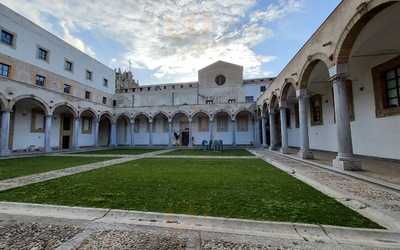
164	188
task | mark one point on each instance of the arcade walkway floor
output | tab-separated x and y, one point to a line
381	169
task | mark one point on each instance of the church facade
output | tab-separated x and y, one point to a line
340	93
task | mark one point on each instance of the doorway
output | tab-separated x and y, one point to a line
66	132
185	138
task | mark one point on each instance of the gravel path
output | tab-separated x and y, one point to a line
132	240
34	235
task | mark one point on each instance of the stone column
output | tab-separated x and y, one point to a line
233	131
76	132
211	128
263	132
5	132
113	141
284	132
96	122
304	103
190	133
170	133
272	130
345	159
47	133
256	131
150	132
132	131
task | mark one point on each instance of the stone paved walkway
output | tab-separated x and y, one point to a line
36	178
28	226
373	201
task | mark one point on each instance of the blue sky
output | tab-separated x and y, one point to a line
169	40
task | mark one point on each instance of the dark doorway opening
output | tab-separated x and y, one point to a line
66	132
185	138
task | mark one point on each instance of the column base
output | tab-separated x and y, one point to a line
306	154
284	150
6	152
347	164
273	148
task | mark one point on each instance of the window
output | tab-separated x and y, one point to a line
243	123
387	88
68	65
4	70
87	95
249	99
263	89
7	38
220	80
104	100
392	88
203	124
89	75
43	54
105	82
86	126
316	110
67	88
222	124
37	121
114	103
40	80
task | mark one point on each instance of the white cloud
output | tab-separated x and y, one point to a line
173	38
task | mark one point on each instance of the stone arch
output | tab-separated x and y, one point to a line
148	116
123	115
174	114
73	110
285	91
244	110
201	112
106	114
309	66
219	111
162	113
88	110
366	12
40	101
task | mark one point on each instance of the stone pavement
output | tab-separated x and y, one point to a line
376	202
384	170
28	226
46	176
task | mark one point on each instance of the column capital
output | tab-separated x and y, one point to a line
302	93
283	108
338	72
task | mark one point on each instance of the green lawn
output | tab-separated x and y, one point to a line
121	151
196	152
248	189
11	168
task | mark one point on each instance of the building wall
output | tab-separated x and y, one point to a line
29	36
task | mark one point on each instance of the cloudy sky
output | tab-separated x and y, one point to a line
169	40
